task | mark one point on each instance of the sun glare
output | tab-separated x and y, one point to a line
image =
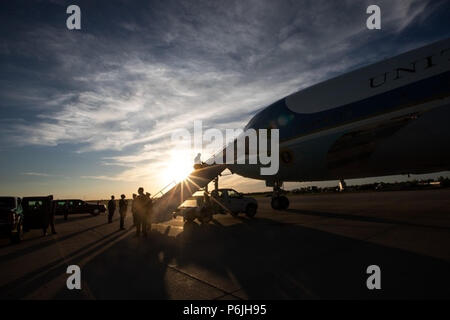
178	166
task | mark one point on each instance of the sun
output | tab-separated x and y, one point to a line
178	166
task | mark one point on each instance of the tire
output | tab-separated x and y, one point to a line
275	203
95	212
280	203
284	203
250	211
16	237
66	216
205	218
189	216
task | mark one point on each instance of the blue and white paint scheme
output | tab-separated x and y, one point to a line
391	117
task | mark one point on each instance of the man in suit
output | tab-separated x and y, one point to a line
111	209
123	205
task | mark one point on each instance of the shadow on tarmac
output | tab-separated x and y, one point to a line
266	259
363	218
49	242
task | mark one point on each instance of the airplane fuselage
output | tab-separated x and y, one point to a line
391	117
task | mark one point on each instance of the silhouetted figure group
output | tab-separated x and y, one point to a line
141	208
142	211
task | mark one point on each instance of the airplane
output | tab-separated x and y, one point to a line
388	118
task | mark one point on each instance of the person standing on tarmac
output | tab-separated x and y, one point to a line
133	209
148	213
111	209
51	222
123	205
141	207
51	219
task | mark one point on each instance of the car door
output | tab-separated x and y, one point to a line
61	207
72	206
80	206
224	201
234	201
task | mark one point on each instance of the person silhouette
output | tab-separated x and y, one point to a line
141	207
123	205
198	159
111	209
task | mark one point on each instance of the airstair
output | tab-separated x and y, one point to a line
165	205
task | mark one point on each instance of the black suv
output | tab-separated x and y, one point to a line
37	212
11	218
72	206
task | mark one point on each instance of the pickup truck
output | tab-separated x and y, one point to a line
221	201
233	202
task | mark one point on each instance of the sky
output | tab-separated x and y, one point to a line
89	113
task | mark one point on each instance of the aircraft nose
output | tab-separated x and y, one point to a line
275	116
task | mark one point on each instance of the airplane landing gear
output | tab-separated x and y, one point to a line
342	185
279	202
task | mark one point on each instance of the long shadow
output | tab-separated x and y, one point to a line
25	285
362	218
60	219
281	261
268	260
41	245
259	259
133	268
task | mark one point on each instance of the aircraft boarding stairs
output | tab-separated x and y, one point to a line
165	205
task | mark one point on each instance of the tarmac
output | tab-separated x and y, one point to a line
320	248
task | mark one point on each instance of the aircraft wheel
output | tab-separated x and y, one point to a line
275	203
284	201
280	203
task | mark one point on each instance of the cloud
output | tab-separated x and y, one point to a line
36	174
128	85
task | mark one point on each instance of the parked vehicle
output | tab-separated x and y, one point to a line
37	212
11	218
233	202
73	206
195	208
221	201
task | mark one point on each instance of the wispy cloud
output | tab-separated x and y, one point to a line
128	85
36	174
